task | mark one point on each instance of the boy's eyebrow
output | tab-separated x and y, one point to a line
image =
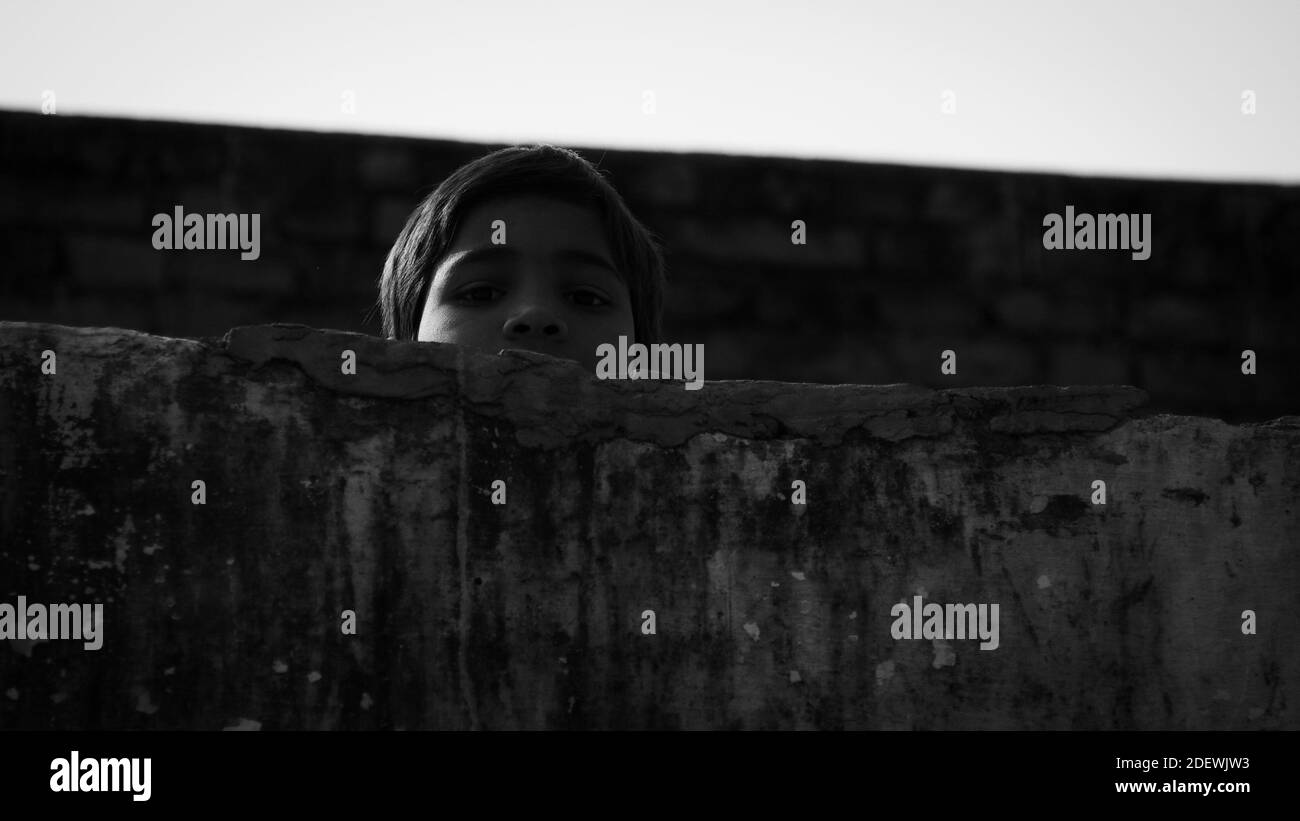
496	252
583	256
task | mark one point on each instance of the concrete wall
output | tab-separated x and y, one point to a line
900	264
372	492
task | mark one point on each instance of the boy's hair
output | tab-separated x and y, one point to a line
539	170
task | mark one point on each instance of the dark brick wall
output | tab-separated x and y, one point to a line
900	264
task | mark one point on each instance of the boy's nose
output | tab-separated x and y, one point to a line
536	322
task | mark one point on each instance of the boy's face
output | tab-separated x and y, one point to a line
551	287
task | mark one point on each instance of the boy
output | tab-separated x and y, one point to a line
525	248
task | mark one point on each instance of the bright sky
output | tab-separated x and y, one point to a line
1150	88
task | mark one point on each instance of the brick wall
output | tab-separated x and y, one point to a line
373	492
900	264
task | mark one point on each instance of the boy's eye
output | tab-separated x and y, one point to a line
479	293
589	299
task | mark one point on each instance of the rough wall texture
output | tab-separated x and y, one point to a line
901	263
372	492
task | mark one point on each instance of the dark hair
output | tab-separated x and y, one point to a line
542	170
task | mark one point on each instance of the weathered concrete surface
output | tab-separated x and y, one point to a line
371	492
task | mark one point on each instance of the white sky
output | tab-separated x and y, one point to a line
1149	88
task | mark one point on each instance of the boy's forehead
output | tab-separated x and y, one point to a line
531	222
